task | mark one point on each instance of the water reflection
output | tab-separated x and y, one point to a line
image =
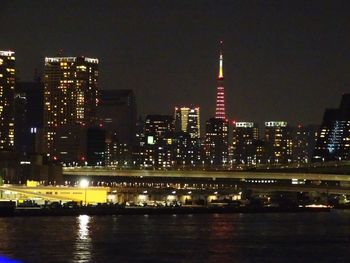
83	245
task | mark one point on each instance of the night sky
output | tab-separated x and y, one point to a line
285	60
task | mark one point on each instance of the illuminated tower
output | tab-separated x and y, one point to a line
220	112
70	102
7	88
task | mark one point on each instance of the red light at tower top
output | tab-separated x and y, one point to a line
220	112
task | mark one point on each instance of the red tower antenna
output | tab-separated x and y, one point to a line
220	112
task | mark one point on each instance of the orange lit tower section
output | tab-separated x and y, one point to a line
220	112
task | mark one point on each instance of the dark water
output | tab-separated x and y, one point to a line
309	237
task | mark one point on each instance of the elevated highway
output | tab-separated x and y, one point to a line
113	172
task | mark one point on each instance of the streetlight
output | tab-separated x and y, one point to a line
84	183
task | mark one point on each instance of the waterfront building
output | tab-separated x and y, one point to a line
244	138
278	142
333	141
216	142
187	119
7	88
70	98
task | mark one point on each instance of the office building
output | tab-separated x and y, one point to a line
118	113
216	142
304	139
187	119
29	117
278	143
156	151
244	138
333	141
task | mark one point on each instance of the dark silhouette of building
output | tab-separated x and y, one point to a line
29	117
118	114
96	146
216	142
304	138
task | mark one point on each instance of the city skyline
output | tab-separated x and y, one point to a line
157	131
270	62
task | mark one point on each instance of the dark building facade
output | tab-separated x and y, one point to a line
29	117
95	146
304	139
216	142
333	141
117	113
7	89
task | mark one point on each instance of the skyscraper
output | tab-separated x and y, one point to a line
245	136
333	142
7	88
117	112
70	97
187	119
303	143
216	142
220	112
278	142
157	149
29	114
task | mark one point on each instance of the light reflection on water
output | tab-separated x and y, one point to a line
182	238
83	244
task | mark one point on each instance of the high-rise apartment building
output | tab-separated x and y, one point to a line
187	119
244	142
70	98
278	142
7	88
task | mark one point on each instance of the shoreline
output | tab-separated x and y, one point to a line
105	211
